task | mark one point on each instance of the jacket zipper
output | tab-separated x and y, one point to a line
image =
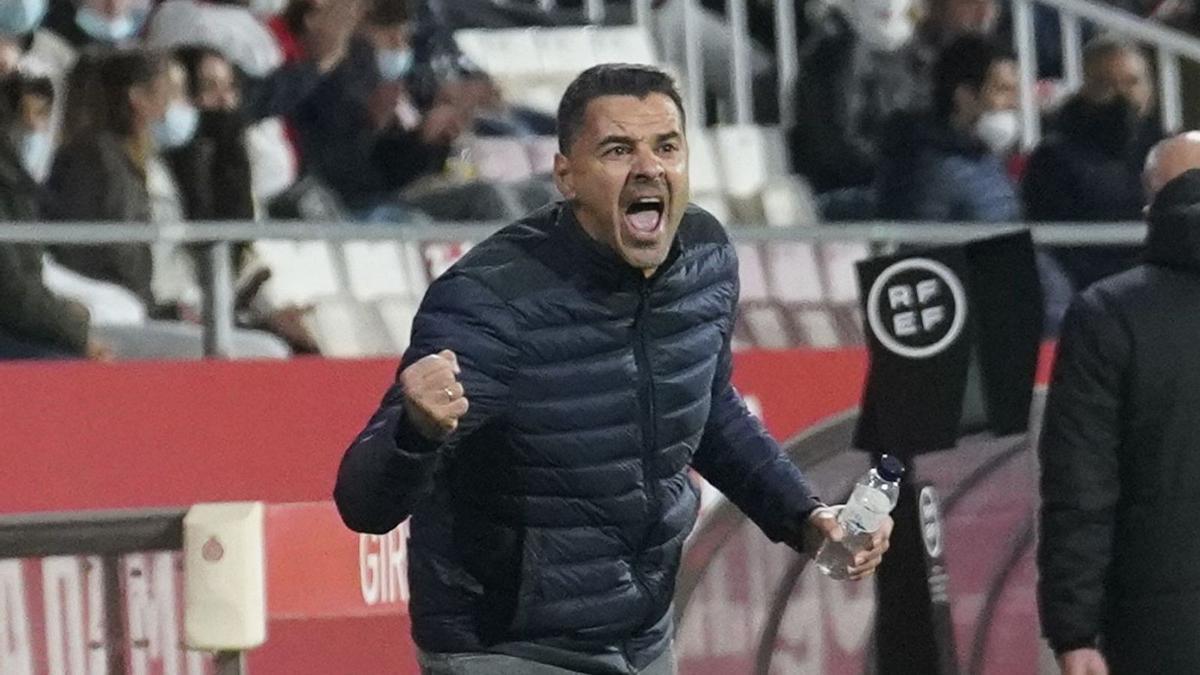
646	391
649	423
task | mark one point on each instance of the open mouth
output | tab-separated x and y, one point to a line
644	216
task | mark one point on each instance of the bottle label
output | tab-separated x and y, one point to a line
865	510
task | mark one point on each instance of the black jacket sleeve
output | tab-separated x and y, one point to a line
741	459
390	466
279	92
824	145
1043	193
1081	434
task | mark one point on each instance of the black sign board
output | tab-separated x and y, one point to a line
953	334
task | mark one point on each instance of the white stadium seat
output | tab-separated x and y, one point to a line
500	159
375	269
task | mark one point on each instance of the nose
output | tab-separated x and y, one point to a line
647	165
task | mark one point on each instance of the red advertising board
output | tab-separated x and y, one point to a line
90	436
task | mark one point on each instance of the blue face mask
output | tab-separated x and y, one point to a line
36	148
394	63
109	29
177	127
18	17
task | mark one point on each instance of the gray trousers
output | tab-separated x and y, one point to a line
502	664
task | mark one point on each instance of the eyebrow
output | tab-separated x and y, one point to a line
629	140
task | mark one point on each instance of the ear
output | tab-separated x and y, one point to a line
964	99
562	176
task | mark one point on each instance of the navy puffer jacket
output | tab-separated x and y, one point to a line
555	516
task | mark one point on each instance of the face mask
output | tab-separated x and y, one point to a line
18	17
36	148
1112	124
999	130
108	29
883	25
178	126
267	8
394	63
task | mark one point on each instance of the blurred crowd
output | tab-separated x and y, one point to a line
144	111
910	112
132	111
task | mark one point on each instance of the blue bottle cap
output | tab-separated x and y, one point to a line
890	468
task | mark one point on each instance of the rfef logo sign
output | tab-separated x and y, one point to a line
917	308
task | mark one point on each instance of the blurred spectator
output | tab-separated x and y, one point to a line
360	131
865	61
714	38
111	23
34	321
122	108
1089	168
951	19
27	45
860	66
228	26
282	66
948	165
213	174
115	102
30	100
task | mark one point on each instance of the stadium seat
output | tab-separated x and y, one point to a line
375	269
397	317
541	151
500	159
301	272
623	44
751	273
566	50
768	327
793	273
749	157
788	201
346	328
820	328
838	259
503	52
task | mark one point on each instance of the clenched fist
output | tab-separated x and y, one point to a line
434	399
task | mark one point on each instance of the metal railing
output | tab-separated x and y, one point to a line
215	239
1170	46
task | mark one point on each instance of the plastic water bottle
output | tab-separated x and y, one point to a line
874	497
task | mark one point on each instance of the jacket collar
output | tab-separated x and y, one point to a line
1173	237
599	261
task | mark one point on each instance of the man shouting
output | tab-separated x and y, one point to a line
562	379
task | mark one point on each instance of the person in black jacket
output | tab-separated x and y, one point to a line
34	321
592	341
1089	169
1119	567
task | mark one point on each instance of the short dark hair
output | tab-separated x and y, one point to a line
18	85
965	61
192	57
389	12
610	79
1107	45
98	89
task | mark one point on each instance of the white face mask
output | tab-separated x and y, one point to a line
999	130
883	25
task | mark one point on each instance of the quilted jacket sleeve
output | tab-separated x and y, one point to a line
1079	482
739	457
389	467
